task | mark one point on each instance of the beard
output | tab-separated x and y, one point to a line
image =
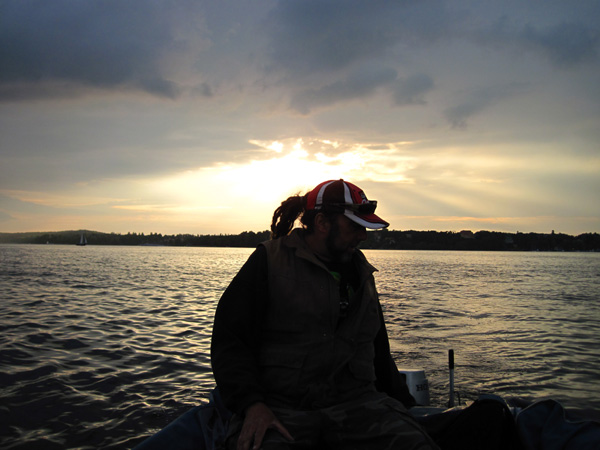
339	253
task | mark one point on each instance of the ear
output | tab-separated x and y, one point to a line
322	224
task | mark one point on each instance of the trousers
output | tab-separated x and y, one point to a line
377	422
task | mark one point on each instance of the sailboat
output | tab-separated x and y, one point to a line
82	240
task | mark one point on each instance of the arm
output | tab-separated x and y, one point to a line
389	380
234	348
236	334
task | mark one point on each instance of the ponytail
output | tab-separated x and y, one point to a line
290	210
285	216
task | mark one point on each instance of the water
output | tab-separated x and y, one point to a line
102	346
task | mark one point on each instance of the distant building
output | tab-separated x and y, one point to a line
467	234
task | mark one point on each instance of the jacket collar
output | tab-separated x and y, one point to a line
296	241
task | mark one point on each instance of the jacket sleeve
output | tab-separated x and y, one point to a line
388	379
236	334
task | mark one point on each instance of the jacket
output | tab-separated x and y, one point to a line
237	340
310	356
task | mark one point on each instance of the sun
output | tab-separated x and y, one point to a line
274	179
239	195
252	188
292	166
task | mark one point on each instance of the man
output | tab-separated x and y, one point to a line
300	352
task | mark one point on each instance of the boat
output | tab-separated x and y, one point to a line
82	240
490	422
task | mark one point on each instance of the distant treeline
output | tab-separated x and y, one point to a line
245	239
481	240
383	239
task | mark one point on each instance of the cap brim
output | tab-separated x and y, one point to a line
367	220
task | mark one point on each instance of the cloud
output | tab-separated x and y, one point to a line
412	90
69	48
356	85
308	36
362	83
4	217
204	90
69	44
12	202
566	44
476	101
51	144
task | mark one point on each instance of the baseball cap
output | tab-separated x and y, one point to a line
349	199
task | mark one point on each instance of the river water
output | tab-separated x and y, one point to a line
102	346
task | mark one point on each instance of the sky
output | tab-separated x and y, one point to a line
202	116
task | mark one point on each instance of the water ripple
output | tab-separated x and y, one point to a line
101	346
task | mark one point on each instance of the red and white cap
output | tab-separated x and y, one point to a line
348	199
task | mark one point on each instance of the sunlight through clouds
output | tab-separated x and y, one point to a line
325	159
289	167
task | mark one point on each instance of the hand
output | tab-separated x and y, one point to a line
259	418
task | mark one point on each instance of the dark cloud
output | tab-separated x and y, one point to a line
566	44
563	43
480	100
362	83
321	36
204	90
327	35
357	85
99	44
412	90
67	48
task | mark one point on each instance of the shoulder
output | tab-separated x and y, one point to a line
254	266
362	263
292	240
